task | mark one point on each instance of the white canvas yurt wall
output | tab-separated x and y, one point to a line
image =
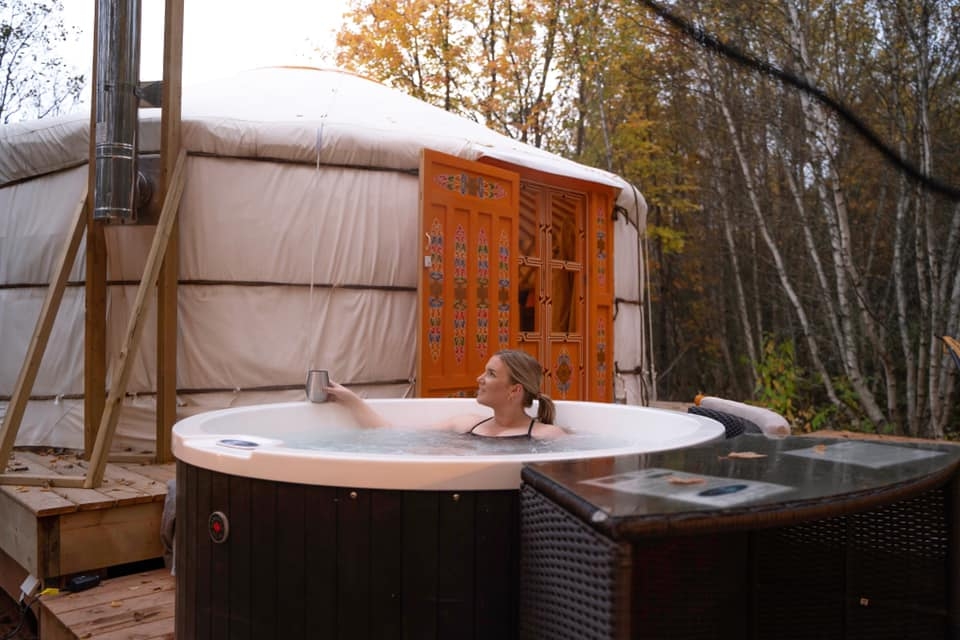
298	247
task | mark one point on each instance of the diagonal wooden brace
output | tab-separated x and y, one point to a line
120	372
41	334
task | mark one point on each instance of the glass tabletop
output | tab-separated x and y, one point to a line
748	480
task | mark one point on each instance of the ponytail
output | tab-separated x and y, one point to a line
546	410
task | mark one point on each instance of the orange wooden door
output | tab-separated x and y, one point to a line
566	286
468	285
599	297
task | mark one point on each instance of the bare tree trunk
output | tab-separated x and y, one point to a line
903	311
778	260
741	298
824	288
849	297
915	31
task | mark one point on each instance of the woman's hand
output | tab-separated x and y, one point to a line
338	392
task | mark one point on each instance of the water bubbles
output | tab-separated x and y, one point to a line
425	442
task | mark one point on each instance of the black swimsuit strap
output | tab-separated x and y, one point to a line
533	421
480	423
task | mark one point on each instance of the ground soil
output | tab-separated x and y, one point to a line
10	619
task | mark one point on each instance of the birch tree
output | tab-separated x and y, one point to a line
35	80
770	218
922	52
850	299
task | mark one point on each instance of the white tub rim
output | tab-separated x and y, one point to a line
197	440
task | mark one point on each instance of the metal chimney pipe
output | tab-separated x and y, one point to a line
118	74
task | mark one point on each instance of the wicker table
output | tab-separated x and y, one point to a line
747	538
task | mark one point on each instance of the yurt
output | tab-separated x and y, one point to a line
327	222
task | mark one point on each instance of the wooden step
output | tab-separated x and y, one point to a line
52	531
135	607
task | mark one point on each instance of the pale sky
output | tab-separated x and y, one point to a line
222	37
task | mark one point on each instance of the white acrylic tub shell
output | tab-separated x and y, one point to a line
197	440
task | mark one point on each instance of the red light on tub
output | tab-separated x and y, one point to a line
218	526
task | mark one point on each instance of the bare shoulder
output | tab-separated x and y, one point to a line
543	431
461	423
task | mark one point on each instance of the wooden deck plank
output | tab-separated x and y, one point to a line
119	615
116	486
42	501
143	478
158	629
159	472
136	606
121	486
112	590
129	489
83	498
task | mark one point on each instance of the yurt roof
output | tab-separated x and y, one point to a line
323	116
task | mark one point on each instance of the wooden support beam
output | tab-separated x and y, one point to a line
167	285
95	332
120	373
41	333
95	286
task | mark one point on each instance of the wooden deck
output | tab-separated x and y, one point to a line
54	532
134	607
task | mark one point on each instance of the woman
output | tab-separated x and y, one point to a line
509	383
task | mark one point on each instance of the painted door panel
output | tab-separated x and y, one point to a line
468	287
514	258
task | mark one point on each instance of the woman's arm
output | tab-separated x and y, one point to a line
363	413
367	416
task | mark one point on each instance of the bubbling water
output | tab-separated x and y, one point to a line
412	442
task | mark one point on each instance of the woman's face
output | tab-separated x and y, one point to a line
494	385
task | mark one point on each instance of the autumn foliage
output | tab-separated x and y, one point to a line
780	242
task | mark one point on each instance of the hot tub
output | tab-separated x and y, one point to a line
285	531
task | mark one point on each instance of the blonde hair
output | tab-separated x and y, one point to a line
526	371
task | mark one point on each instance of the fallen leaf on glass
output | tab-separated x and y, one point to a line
820	448
682	480
746	455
